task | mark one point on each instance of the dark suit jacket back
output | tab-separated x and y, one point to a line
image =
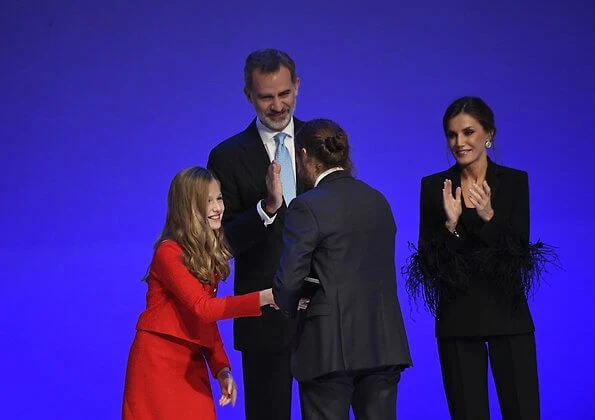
343	233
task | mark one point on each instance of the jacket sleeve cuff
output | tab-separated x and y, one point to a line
266	219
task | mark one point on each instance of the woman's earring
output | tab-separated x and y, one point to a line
488	144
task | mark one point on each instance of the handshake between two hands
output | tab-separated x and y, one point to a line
267	299
227	384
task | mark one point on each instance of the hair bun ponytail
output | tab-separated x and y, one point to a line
333	144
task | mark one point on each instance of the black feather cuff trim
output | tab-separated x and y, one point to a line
436	272
433	272
517	269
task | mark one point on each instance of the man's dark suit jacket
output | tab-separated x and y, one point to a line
484	259
241	164
343	233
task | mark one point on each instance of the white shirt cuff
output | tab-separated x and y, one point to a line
265	217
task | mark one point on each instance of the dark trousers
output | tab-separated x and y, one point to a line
464	363
267	385
371	393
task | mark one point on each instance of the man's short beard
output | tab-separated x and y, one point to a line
277	126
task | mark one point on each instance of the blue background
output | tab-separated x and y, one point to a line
102	102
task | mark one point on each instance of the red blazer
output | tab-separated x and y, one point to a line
180	306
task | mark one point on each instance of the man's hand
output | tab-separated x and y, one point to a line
274	199
303	304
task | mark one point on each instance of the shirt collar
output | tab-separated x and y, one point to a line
267	134
327	172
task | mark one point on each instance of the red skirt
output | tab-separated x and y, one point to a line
166	378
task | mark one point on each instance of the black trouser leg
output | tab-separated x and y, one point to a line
464	364
326	398
267	385
375	395
514	366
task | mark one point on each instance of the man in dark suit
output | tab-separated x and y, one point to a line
351	344
255	203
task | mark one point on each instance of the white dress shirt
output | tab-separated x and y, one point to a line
268	138
325	173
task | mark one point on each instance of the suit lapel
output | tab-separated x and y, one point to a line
254	155
256	159
493	179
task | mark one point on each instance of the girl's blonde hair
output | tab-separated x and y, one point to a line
205	250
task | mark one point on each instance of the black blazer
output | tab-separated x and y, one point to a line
343	233
241	163
476	275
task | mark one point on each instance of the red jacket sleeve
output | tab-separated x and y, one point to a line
169	269
216	356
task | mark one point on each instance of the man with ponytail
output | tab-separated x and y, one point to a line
351	345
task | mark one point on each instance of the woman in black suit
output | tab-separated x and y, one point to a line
474	269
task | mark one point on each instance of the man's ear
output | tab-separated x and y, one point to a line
248	95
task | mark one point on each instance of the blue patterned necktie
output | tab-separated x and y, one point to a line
283	158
